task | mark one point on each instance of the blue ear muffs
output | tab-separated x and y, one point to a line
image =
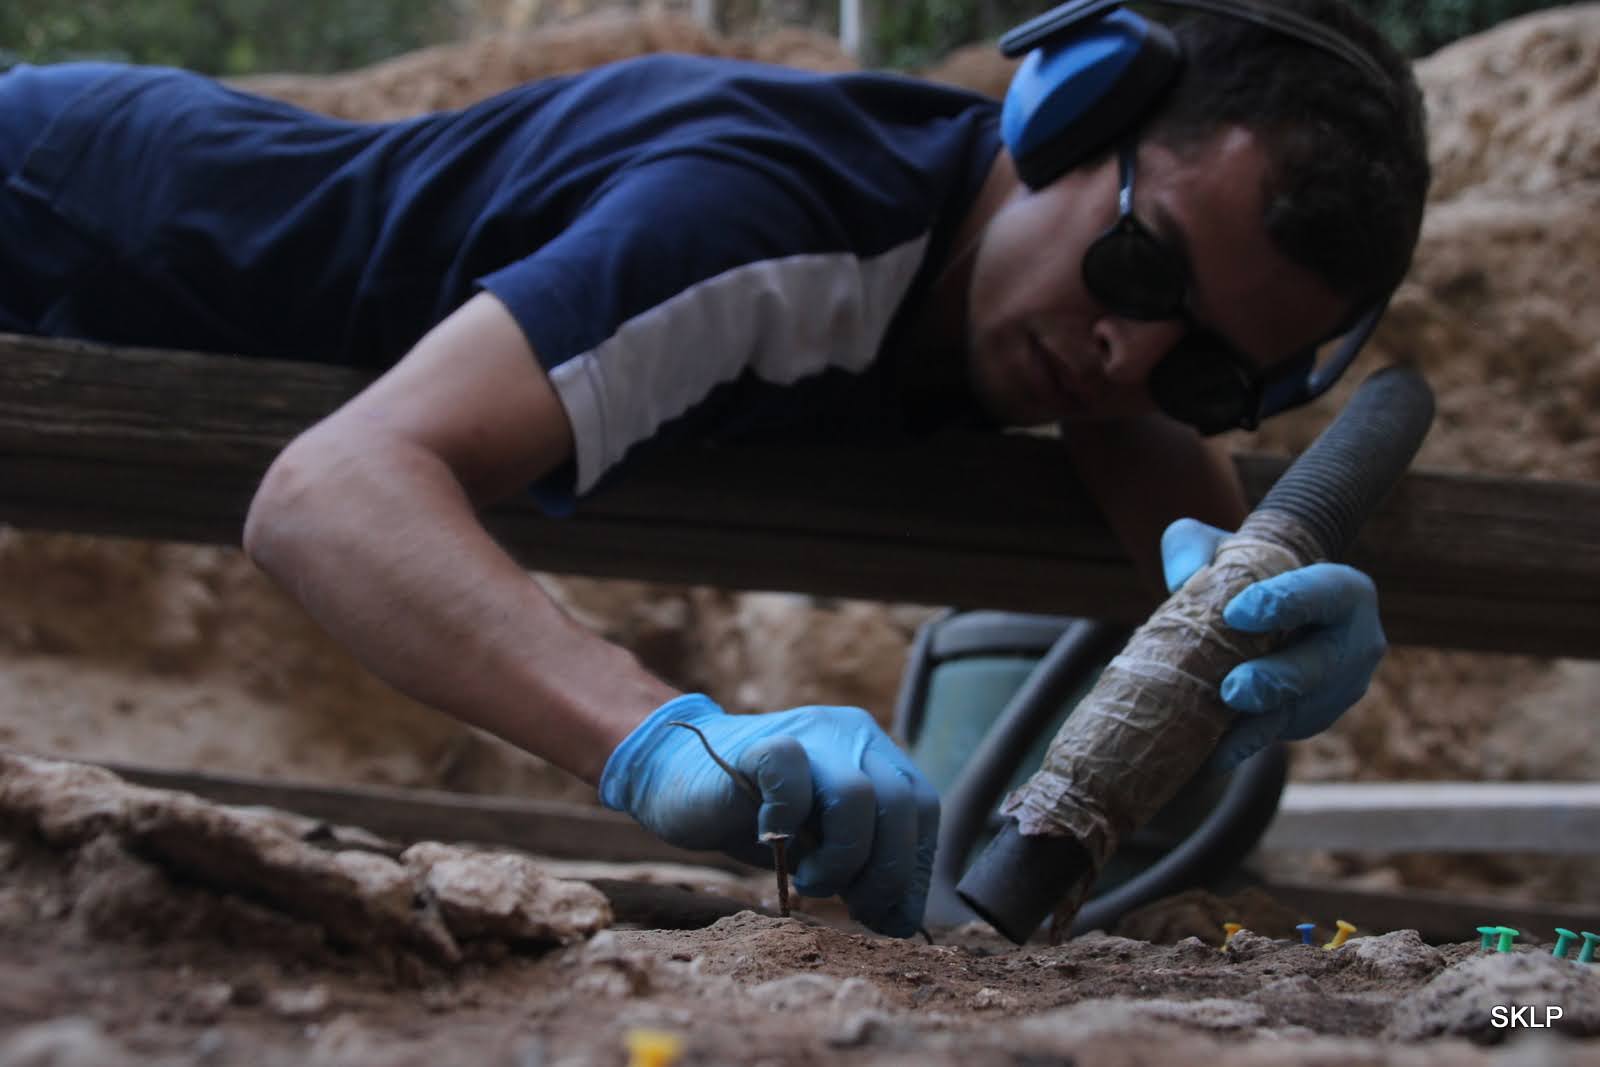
1095	69
1072	98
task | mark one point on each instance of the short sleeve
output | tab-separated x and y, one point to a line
686	274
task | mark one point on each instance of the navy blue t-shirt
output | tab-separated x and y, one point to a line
692	245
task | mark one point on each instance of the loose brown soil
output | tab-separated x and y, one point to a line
143	926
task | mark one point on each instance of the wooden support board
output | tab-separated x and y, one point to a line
1548	817
171	445
575	831
542	827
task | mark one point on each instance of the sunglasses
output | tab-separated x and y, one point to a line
1203	381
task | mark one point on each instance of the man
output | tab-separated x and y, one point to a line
674	249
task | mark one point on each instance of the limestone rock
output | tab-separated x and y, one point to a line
1401	954
1462	1000
501	894
1127	1015
70	1041
128	837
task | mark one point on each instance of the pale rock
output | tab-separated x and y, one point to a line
66	803
1400	955
505	895
796	992
360	897
1460	1001
306	1002
1127	1015
989	998
65	1042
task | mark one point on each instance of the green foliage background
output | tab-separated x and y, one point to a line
223	37
915	32
230	37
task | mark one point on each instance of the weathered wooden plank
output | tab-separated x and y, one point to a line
171	445
577	832
1548	817
543	827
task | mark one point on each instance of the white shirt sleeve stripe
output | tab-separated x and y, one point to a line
782	319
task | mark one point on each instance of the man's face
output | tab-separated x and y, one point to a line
1042	348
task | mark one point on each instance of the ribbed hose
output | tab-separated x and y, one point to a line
1155	715
1347	471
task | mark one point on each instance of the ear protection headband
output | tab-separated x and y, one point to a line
1093	69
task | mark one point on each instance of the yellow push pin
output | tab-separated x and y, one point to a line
1345	930
653	1048
1228	930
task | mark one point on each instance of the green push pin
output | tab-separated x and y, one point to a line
1563	939
1507	935
1586	953
1486	933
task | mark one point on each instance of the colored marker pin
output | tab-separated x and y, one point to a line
653	1048
1507	936
1563	939
1586	953
1228	930
1486	937
1345	930
1305	931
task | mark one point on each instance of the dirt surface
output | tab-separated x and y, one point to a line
143	926
114	948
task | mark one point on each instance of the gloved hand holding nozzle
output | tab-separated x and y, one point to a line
1259	626
1301	689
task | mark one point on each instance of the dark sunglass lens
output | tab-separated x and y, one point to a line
1133	276
1199	383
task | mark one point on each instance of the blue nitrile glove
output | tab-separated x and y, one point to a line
872	819
1303	687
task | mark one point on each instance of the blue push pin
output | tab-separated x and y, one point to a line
1586	953
1486	933
1563	939
1305	932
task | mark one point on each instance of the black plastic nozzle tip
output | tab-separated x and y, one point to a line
1019	879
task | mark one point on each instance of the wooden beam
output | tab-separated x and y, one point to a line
579	832
543	827
171	445
1548	817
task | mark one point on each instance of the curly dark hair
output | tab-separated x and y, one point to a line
1348	155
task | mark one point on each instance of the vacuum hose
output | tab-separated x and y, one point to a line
1155	715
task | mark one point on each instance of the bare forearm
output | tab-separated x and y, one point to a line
1146	472
383	548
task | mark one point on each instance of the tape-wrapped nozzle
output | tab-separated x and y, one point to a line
1156	713
1153	716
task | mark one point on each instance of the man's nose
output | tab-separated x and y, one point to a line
1130	348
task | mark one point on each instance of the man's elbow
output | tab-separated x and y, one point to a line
280	505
